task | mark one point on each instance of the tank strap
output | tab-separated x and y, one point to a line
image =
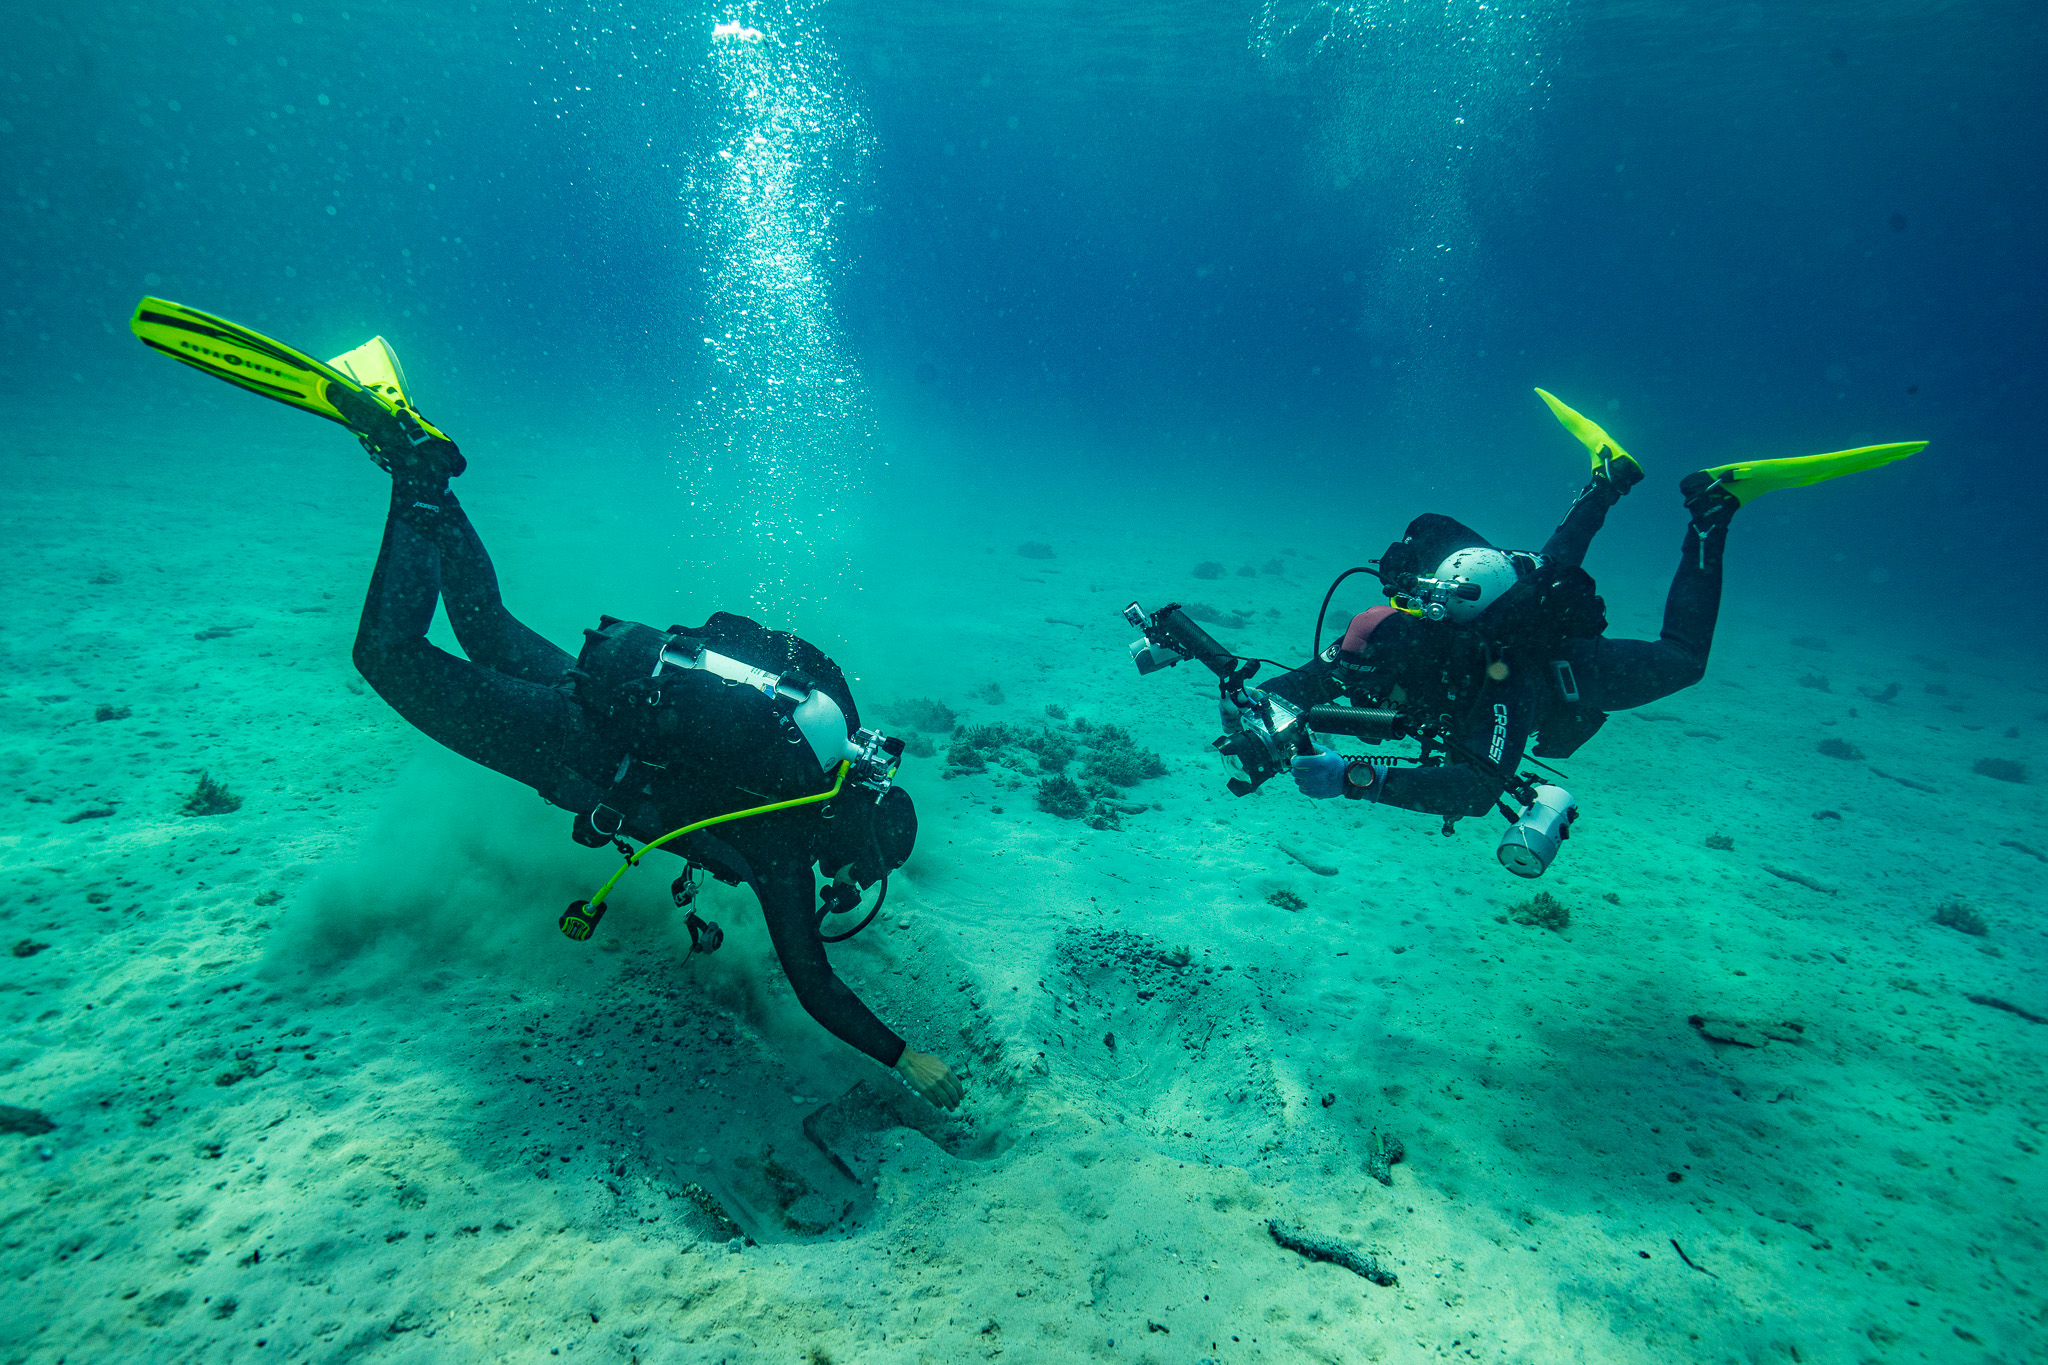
809	714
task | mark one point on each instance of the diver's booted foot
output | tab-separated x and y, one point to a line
1708	499
401	444
363	389
1617	469
1751	479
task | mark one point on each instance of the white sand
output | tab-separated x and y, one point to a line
327	1084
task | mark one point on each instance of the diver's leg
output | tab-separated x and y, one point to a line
527	731
489	634
1568	543
1630	673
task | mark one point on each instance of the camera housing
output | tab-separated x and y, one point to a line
1261	736
1261	733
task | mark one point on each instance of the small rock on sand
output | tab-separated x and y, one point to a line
1307	859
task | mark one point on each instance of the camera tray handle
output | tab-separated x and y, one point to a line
1181	633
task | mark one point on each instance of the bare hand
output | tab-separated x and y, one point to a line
930	1077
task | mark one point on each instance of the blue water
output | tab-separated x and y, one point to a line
1196	241
816	311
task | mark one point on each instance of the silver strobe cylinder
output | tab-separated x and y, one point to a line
1532	841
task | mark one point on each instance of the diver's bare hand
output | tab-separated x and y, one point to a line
930	1077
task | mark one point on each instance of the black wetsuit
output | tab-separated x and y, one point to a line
1495	719
508	706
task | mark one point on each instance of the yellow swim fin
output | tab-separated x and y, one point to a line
244	358
1610	461
363	389
1751	479
375	366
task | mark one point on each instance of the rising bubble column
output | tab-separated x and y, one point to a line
781	436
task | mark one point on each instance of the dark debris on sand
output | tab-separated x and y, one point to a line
922	713
1385	1152
1994	1002
1543	910
1329	1249
1961	917
28	1121
2000	769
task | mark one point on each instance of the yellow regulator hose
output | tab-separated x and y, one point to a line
581	918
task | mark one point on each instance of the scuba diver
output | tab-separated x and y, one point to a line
1501	645
1480	649
743	743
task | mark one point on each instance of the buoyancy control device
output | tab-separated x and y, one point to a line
671	698
731	696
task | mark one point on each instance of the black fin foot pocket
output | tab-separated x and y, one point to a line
1711	504
1620	471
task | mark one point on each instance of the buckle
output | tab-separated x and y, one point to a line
596	820
410	428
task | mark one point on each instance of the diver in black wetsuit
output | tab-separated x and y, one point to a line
1499	686
1497	647
506	707
645	734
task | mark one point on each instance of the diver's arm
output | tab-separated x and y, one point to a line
1498	724
1455	789
787	892
1313	684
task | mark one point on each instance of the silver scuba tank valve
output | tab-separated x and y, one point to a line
875	758
1532	842
1431	598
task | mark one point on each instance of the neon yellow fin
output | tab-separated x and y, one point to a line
1751	479
260	364
244	358
1603	448
375	366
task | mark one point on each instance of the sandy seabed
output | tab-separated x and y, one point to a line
316	1079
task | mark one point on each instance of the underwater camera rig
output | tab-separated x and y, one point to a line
1263	733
